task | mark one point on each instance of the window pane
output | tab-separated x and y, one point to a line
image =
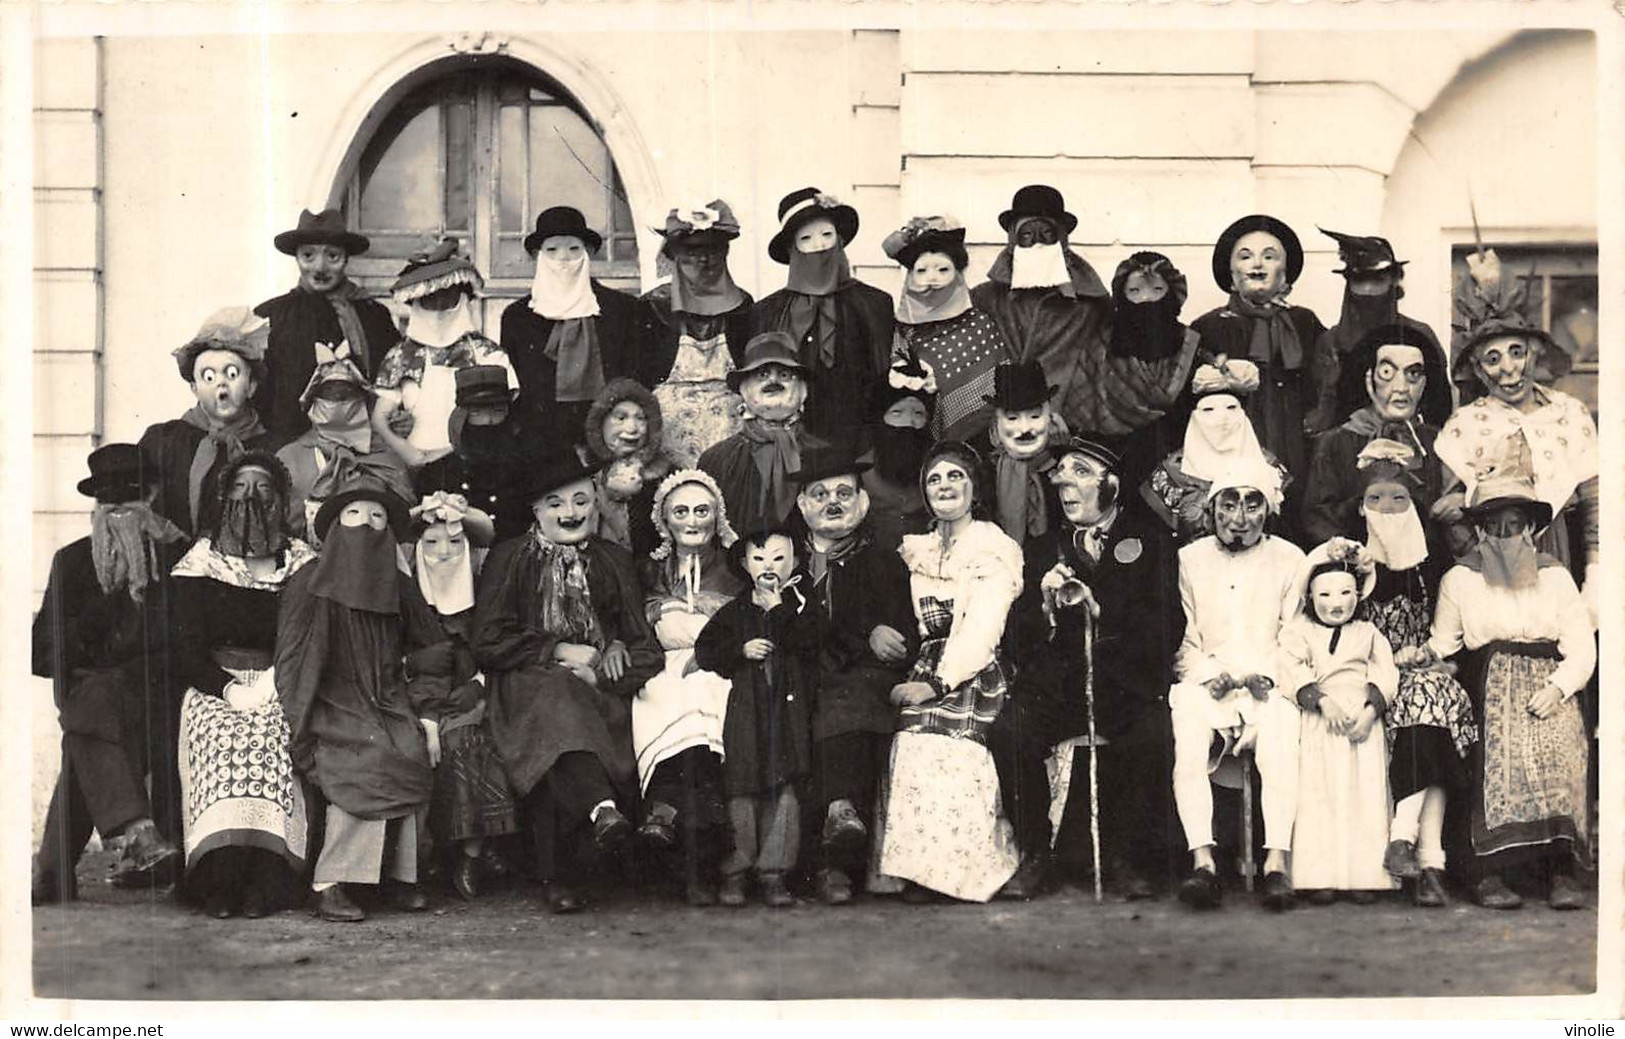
459	166
511	169
1574	316
403	191
569	165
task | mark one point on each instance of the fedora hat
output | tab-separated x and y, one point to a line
820	462
1038	200
363	486
1245	226
1018	386
807	204
562	220
774	347
118	473
324	228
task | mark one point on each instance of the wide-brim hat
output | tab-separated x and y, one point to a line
1038	200
1498	492
1363	254
713	222
772	347
799	207
434	269
562	220
118	473
558	470
324	228
1020	385
364	487
1247	225
1554	361
819	462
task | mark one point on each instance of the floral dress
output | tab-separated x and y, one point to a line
423	380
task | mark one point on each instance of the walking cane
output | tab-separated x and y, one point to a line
1094	743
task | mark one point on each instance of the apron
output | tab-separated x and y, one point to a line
430	407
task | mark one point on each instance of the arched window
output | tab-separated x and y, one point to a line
475	154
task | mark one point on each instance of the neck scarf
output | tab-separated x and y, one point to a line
562	289
565	599
918	306
343	465
1509	562
776	452
1368	423
124	540
227	441
440	328
1021	494
341	423
1396	539
572	346
342	300
1204	458
719	295
814	280
1274	336
447	585
357	569
1090	541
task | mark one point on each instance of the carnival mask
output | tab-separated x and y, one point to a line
1396	381
1238	517
1502	365
222	382
770	564
1394	533
690	513
321	267
1144	287
817	236
626	428
1333	595
948	490
1220	418
565	514
1258	266
1085	488
251	516
774	392
833	507
1023	434
1038	259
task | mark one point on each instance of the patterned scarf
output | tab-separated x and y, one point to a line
124	540
777	453
1275	338
228	440
561	584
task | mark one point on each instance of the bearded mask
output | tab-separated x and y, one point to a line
770	564
1023	434
834	508
774	392
899	450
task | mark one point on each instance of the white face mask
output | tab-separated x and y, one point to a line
1396	539
562	289
440	328
1038	267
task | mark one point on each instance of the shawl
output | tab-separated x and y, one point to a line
206	561
702	580
565	600
227	439
1274	336
1562	440
342	300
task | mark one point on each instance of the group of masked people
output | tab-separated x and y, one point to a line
831	592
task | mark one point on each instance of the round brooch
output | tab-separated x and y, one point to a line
1128	550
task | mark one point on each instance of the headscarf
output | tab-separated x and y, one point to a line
124	540
340	425
1148	331
357	569
447	585
565	607
1207	451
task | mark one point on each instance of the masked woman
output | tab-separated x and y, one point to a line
677	716
940	826
692	332
245	810
624	437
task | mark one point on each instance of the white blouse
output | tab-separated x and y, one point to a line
1472	614
982	575
1235	605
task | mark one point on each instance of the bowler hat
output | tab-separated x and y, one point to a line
1245	226
1038	200
482	384
562	220
1018	386
558	470
819	462
324	228
118	473
807	204
363	486
773	347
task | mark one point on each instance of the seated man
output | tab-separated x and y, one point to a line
1124	560
1237	586
99	636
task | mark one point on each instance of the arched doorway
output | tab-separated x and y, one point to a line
474	150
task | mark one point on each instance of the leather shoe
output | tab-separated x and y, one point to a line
1429	892
844	833
733	890
146	849
1277	892
774	894
1323	896
1400	860
256	902
611	830
333	904
562	899
1134	887
1031	879
1566	894
1201	890
657	834
465	877
218	905
833	887
1493	893
409	898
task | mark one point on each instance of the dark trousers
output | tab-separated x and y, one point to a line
1135	772
691	782
559	809
846	767
102	786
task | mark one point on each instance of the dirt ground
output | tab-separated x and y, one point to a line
128	945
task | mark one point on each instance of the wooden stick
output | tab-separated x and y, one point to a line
1094	747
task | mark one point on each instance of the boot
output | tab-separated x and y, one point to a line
333	904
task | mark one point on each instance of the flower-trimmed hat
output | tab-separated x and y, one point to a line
1337	555
725	531
324	228
905	378
799	207
1388	461
447	508
433	269
333	365
1508	479
562	220
1489	304
237	329
1236	378
711	223
927	234
1245	226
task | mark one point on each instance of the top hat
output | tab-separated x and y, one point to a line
712	222
433	269
1363	254
562	220
1018	386
1247	225
927	234
118	473
558	470
1038	200
363	486
1091	449
819	462
482	384
324	228
799	207
237	329
772	347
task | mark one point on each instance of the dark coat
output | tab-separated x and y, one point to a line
838	396
524	336
299	320
498	485
540	710
860	591
1067	335
211	615
1331	497
171	446
1141	623
352	683
658	329
732	464
766	733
